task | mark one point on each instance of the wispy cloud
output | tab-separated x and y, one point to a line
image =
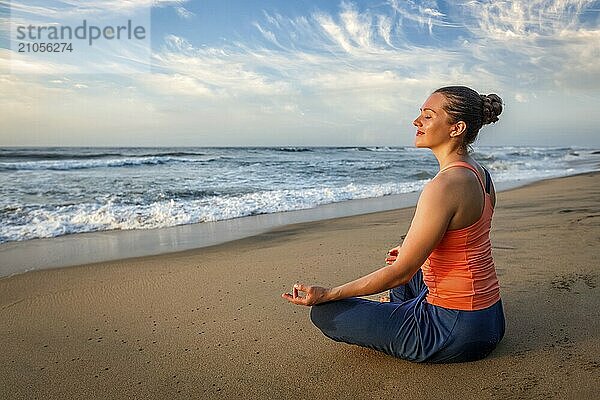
322	54
184	13
549	43
65	9
424	13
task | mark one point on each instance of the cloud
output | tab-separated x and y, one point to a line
223	72
550	43
521	98
348	71
65	9
176	84
357	55
22	63
424	13
268	35
526	20
184	13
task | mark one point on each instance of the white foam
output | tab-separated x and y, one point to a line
56	221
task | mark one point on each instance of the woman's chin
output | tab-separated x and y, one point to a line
419	143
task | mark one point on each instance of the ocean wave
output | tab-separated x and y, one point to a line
70	154
172	154
35	155
422	175
294	149
182	194
69	164
383	149
373	166
483	157
43	221
517	153
380	149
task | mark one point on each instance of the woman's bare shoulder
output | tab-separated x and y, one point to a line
441	191
452	179
454	186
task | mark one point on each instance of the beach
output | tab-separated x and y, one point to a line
210	322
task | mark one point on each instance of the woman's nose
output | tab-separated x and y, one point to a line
416	122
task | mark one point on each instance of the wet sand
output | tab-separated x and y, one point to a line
209	323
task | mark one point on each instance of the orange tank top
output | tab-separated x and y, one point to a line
460	272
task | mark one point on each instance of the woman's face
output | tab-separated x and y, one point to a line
433	126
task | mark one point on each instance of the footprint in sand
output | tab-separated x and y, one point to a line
568	281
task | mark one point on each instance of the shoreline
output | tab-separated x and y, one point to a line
95	247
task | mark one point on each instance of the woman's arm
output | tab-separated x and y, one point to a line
435	209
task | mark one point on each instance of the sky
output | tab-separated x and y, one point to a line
304	73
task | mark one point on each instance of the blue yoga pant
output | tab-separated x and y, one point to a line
410	328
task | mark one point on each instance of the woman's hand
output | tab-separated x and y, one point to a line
312	295
392	254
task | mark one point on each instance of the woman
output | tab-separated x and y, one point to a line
444	300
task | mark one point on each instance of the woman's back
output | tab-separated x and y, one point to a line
468	193
460	272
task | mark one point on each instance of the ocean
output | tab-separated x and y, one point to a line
49	192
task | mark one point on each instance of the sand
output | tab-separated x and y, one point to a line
210	323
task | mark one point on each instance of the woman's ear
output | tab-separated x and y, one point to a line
458	129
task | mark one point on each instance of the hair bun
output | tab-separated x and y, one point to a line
492	107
